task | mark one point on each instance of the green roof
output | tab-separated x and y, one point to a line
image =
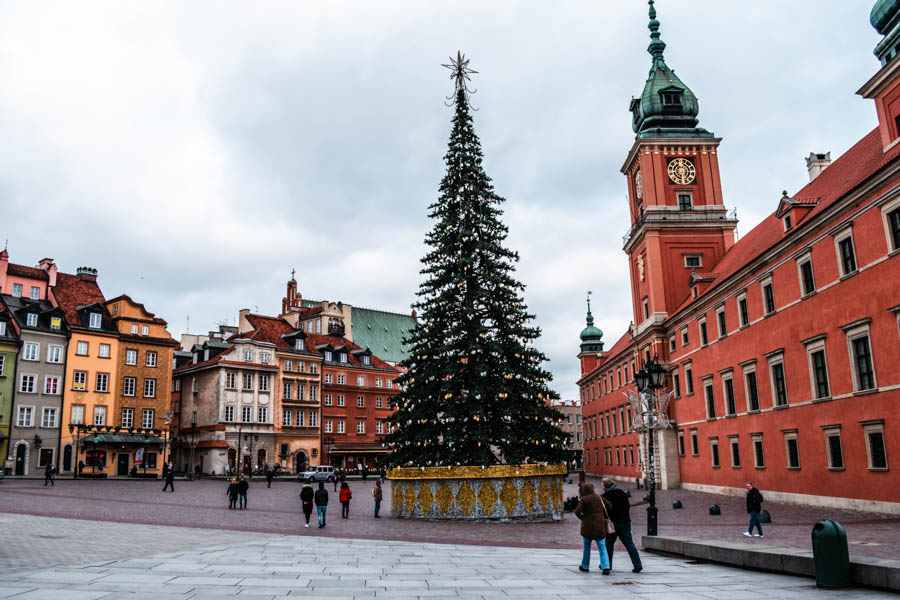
382	332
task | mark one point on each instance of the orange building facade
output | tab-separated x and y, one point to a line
780	347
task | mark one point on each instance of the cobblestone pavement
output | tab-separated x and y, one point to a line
276	566
276	510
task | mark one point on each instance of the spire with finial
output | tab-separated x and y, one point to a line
590	317
591	337
656	46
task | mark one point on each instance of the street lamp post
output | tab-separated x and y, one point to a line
193	445
251	437
648	380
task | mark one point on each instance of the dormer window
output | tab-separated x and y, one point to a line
788	225
95	320
3	328
299	344
692	261
31	320
364	359
55	323
328	356
671	98
342	357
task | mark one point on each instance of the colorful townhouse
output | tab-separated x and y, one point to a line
39	382
9	350
780	346
142	391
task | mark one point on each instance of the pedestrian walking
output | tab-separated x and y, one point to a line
243	486
337	478
48	475
383	474
592	510
344	497
306	500
170	479
377	494
232	493
269	476
619	514
365	472
754	507
321	499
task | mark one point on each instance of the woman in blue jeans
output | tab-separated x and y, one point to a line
592	510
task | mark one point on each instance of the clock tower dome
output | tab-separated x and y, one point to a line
680	227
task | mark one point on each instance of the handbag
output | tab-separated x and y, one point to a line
610	527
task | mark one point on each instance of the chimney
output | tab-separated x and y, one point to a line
49	266
243	324
816	163
86	273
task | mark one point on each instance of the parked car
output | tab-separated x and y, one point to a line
322	473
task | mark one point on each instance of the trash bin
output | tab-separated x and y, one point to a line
830	554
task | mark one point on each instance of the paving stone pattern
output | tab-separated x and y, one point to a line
276	510
278	566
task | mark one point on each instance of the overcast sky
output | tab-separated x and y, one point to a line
196	152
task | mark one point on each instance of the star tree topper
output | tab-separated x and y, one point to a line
460	71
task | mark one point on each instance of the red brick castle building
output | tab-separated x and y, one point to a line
782	347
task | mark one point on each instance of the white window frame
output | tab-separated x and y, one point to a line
131	357
54	354
246	414
286	418
230	380
263	382
709	384
855	332
728	375
95	320
379	403
701	325
129	386
82	345
699	258
17	290
228	415
248	355
342	357
134	329
149	387
341	379
685	338
148	417
841	236
814	345
360	402
360	381
47	380
876	426
77	414
301	418
778	359
151	359
804	259
262	414
32	351
99	416
328	426
264	358
26	411
299	344
830	431
791	435
340	426
145	330
31	320
341	401
81	385
767	282
328	356
247	382
678	195
288	365
720	316
379	429
360	427
747	370
329	378
128	417
734	440
715	457
33	383
104	351
757	438
886	210
328	399
390	382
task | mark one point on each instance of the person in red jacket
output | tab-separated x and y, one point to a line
345	495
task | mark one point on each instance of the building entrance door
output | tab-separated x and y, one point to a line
20	459
122	464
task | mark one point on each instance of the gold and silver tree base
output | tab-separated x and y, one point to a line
490	493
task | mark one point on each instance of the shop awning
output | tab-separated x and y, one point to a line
134	439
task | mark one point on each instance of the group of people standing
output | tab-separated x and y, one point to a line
237	492
319	497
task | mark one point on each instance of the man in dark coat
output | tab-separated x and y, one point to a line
592	510
321	498
48	475
269	476
754	507
306	499
243	486
377	495
170	479
619	515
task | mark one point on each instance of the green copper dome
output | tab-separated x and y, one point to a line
591	337
667	107
885	18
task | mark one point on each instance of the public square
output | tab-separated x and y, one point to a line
128	539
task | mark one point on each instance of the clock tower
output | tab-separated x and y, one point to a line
680	227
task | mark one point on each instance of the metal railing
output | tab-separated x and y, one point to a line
680	216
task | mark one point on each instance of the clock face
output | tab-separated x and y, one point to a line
639	185
681	171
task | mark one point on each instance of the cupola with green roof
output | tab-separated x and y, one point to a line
885	18
667	107
591	337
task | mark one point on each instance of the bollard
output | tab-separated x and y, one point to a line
715	510
677	504
830	554
765	517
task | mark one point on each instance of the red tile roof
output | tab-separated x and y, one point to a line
852	168
270	329
71	292
23	271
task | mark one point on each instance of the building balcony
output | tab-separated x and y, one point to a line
670	214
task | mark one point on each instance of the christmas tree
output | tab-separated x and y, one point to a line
475	392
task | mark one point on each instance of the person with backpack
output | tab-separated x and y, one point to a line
321	500
170	479
306	500
344	497
754	507
232	493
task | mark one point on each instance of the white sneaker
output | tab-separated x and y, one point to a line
747	534
307	525
757	535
